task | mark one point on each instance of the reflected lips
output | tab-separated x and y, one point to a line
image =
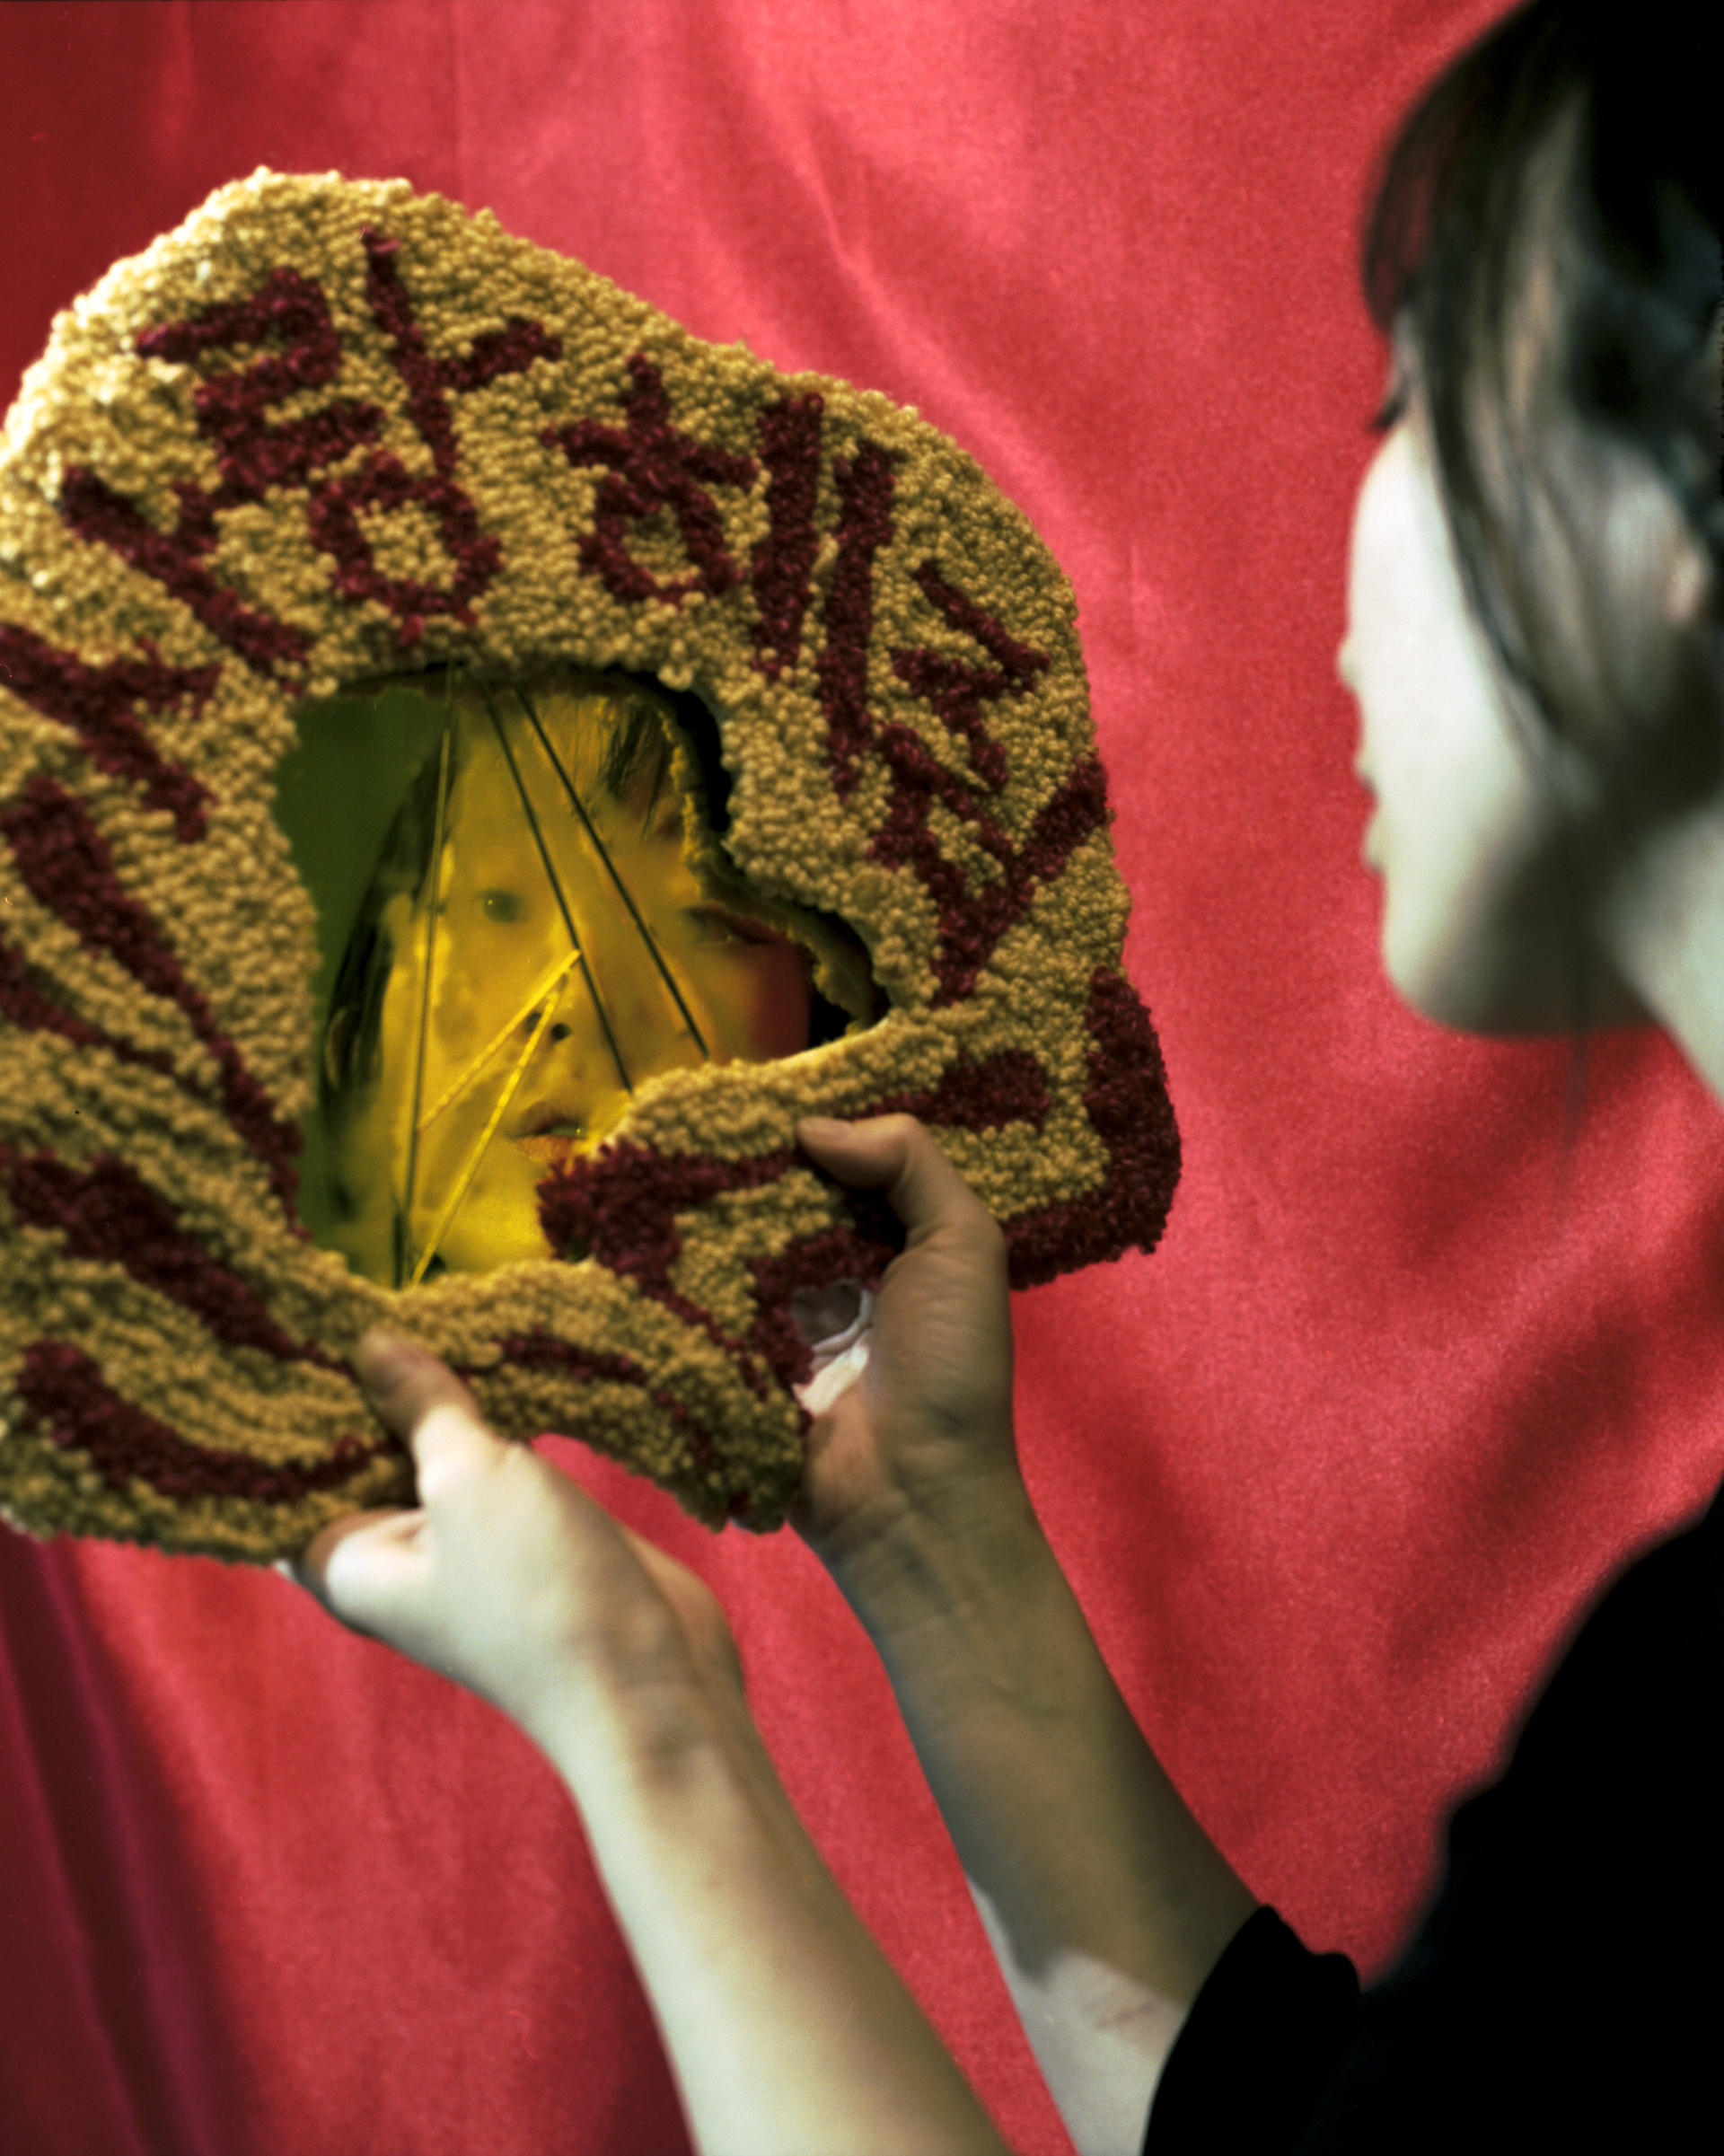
548	1133
555	1150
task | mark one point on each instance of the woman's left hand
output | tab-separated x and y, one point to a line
786	2028
513	1581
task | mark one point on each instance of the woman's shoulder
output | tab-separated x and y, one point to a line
1654	1633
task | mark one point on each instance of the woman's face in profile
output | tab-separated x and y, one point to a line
1473	928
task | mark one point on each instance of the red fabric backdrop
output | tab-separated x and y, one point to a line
1334	1472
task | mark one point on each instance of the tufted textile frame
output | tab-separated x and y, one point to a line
327	431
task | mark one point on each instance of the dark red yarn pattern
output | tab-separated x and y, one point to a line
175	559
1128	1103
384	483
25	1003
545	1352
971	920
98	704
651	466
859	1250
252	453
66	864
1009	1087
783	563
106	1212
864	484
69	1400
256	454
955	693
333	515
430	381
621	1207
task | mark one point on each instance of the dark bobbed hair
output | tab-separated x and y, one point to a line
1633	211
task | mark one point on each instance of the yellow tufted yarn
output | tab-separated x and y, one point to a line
327	431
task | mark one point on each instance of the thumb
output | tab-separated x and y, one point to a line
364	1569
422	1400
368	1568
895	1154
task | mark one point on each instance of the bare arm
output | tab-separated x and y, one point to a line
789	2032
1106	1903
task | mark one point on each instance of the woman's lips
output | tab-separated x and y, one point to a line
551	1133
554	1148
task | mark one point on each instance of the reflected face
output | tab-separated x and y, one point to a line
570	955
1463	829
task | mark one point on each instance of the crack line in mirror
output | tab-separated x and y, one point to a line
432	911
623	891
453	1091
556	889
470	1168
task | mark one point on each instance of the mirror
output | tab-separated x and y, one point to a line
515	934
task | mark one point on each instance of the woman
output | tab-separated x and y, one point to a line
1535	644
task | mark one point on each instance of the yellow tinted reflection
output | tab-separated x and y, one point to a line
531	946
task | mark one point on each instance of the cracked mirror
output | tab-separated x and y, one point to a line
518	929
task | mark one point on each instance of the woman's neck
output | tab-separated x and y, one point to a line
1662	926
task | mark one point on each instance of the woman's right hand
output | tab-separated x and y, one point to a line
919	1448
1105	1903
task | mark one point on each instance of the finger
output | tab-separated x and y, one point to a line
405	1381
361	1568
664	1570
422	1400
895	1154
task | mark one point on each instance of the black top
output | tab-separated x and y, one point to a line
1567	1988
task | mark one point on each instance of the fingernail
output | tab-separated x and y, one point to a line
381	1360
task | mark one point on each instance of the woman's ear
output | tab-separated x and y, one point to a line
1691	598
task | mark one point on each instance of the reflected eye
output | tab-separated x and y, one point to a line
502	905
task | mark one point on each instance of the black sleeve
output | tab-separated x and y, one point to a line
1565	1990
1258	2048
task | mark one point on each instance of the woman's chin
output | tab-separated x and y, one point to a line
1434	981
487	1243
496	1223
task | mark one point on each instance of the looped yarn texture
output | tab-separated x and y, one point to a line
327	431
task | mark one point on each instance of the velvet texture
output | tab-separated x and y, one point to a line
1420	1360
